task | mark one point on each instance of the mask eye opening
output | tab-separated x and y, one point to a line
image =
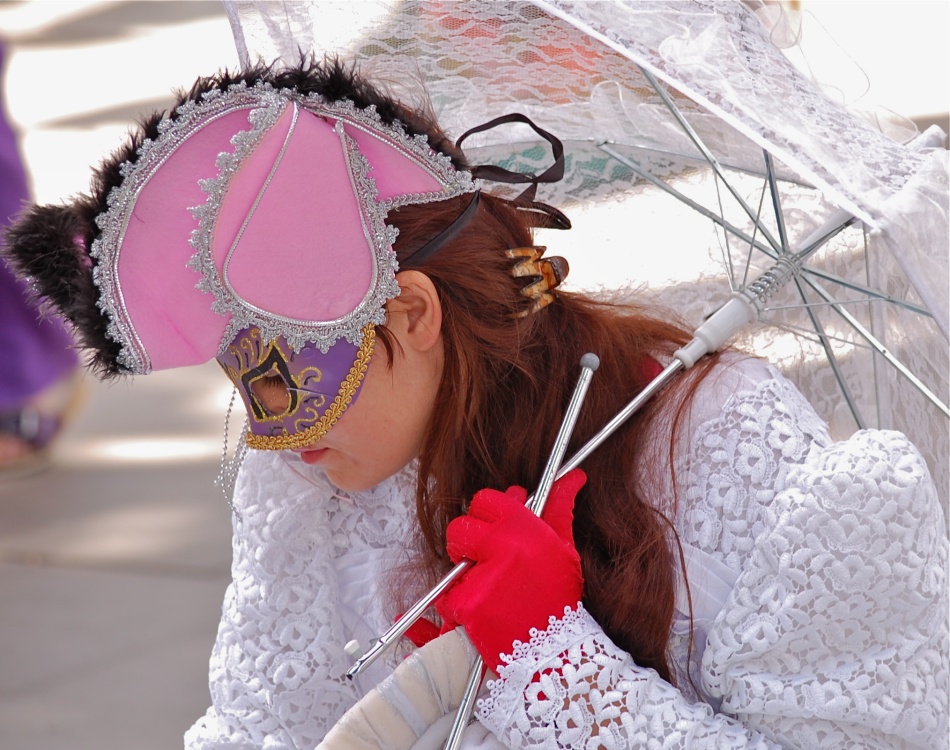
272	394
271	390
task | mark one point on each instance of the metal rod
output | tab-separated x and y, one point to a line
732	166
589	363
466	706
818	305
834	224
698	207
832	359
776	201
707	154
399	628
880	348
622	416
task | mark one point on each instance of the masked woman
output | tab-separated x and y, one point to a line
727	577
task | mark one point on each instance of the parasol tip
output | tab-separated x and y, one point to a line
590	361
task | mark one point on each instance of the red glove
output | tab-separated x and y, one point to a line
526	569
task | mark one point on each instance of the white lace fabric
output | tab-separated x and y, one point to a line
831	631
308	574
835	633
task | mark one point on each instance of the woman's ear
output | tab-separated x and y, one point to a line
416	314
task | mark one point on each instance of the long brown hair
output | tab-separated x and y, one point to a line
505	385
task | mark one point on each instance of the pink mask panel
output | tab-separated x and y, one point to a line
287	244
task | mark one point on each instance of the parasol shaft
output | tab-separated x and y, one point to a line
622	416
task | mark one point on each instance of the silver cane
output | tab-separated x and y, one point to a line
589	363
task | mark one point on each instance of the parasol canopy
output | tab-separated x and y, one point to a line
690	134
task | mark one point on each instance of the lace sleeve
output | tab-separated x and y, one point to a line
571	687
308	573
834	635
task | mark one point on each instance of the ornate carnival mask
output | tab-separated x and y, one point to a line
294	396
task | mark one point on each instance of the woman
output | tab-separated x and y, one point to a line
731	578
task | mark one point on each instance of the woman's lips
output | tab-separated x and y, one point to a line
312	455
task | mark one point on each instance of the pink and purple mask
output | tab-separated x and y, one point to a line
252	230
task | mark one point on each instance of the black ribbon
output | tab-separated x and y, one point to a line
493	173
541	215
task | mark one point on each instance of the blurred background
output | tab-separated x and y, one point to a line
114	560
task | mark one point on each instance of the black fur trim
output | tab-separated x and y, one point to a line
47	245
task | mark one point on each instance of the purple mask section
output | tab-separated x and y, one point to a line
293	398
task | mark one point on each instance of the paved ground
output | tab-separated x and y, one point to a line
113	563
112	568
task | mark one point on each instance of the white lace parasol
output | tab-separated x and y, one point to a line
763	160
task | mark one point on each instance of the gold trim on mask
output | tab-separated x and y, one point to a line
333	413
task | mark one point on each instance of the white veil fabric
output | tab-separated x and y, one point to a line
582	70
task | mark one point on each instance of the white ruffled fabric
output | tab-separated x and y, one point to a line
817	575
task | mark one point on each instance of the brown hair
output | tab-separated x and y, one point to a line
505	385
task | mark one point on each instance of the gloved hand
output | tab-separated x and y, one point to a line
526	568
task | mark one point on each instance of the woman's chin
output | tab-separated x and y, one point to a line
354	479
347	483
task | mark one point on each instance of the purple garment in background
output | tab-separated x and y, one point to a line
34	353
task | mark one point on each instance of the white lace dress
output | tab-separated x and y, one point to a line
818	580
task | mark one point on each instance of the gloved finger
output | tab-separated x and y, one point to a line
491	505
448	606
464	538
559	510
483	541
518	494
472	536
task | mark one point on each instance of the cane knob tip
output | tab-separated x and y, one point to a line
591	361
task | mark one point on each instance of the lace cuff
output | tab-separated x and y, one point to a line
571	687
528	660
